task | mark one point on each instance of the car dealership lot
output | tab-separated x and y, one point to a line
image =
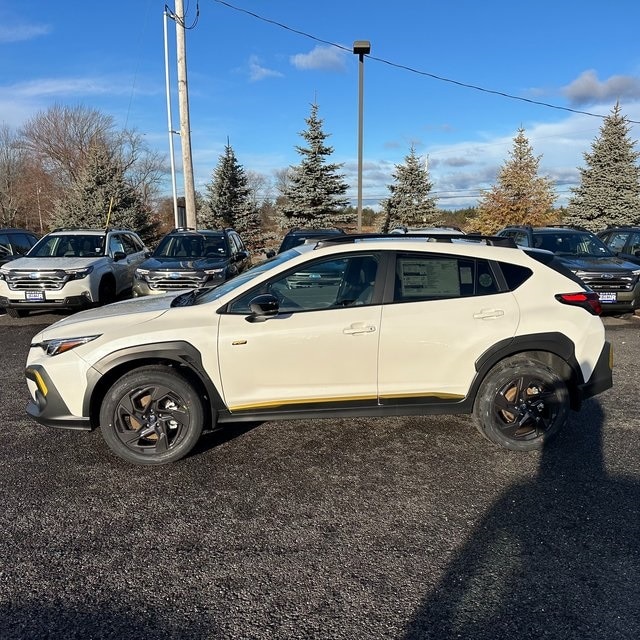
360	528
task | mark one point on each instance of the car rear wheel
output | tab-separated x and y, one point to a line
521	404
151	416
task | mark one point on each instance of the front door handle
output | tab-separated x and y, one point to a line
358	328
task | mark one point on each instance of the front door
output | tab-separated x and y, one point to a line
320	351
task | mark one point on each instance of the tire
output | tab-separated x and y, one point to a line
106	291
151	416
521	404
17	313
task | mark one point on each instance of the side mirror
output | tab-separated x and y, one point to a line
263	307
119	255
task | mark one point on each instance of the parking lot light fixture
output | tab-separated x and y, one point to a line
361	48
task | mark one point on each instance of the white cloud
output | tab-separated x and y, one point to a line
320	58
21	32
257	72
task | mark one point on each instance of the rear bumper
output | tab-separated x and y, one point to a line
602	377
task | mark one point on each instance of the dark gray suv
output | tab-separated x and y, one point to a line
616	281
14	243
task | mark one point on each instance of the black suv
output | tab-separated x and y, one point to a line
14	243
190	259
616	281
623	241
296	237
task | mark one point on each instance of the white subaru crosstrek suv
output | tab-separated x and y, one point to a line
410	327
71	269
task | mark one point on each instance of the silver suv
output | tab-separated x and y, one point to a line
403	326
71	269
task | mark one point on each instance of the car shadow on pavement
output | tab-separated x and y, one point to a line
225	433
556	557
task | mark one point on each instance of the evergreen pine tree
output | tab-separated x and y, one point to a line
520	196
229	203
410	203
102	197
609	189
314	197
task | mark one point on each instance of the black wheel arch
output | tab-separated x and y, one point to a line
179	355
554	349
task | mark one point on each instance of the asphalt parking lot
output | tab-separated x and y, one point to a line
403	528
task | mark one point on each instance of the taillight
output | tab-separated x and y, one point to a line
588	300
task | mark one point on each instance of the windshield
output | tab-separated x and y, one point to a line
67	246
191	247
573	244
209	295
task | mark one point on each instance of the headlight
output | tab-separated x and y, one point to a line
56	346
141	273
214	272
78	274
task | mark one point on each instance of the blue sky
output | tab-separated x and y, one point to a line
252	81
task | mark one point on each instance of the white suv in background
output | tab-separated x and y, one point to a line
384	325
71	269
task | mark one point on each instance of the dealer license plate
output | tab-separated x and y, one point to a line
608	297
34	296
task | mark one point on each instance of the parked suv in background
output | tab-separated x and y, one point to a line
190	259
409	327
71	269
14	243
623	241
295	237
616	281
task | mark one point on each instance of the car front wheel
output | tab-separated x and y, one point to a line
151	416
521	404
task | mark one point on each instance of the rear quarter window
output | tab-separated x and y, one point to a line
514	274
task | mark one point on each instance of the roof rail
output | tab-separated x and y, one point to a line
105	229
494	241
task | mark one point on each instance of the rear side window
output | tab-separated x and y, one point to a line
420	277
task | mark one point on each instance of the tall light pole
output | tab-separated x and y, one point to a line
360	47
176	218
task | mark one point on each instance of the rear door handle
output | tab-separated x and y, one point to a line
359	327
488	314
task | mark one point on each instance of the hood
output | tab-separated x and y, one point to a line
182	264
101	319
596	263
48	263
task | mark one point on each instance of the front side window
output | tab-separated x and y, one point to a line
616	240
323	284
437	277
115	244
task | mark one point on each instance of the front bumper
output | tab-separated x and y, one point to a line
69	302
46	405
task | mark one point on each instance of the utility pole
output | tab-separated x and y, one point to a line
185	128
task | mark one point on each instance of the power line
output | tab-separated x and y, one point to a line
396	65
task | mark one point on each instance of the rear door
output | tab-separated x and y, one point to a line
446	312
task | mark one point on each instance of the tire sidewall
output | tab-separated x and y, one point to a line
141	377
495	380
